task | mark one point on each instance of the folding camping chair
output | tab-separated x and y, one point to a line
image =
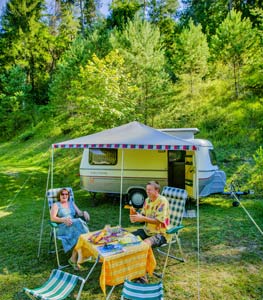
52	197
136	291
59	285
177	199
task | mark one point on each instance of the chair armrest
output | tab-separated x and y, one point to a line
53	224
82	218
174	229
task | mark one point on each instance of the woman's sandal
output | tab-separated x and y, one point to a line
75	266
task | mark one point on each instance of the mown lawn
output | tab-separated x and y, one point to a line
230	264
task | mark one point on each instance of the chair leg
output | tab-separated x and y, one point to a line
80	289
180	248
30	296
181	259
60	267
50	250
172	256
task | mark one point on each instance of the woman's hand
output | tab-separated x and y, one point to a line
67	221
86	216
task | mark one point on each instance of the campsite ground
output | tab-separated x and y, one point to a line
228	266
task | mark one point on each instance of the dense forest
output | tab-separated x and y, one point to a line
165	63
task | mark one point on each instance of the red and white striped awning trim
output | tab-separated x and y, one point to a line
126	146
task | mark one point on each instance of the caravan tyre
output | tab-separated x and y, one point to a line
137	198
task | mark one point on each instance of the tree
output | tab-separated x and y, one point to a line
211	13
234	44
121	12
90	8
13	99
141	47
67	69
191	55
77	55
159	10
208	13
84	10
24	42
63	35
100	93
253	69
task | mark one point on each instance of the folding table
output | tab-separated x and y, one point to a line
133	262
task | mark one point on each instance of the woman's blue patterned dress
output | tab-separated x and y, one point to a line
69	234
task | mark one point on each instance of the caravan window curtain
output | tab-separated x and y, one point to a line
102	156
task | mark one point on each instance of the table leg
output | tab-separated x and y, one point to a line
110	292
92	268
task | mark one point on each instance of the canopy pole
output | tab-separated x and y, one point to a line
197	223
121	187
43	215
52	167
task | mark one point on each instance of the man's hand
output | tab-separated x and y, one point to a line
137	218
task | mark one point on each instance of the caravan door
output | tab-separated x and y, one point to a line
176	168
181	170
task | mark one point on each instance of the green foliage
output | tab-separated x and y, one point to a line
235	44
211	13
191	55
102	91
122	11
27	135
140	44
257	171
24	41
98	91
64	32
13	102
158	11
68	69
56	80
89	12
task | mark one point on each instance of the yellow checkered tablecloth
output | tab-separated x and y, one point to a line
135	261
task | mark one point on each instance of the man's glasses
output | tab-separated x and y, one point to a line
64	194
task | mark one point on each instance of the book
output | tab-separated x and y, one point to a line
110	249
130	240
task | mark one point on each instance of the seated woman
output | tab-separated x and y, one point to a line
67	215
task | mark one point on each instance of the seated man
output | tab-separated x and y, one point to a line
156	215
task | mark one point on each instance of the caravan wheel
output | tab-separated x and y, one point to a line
137	197
235	203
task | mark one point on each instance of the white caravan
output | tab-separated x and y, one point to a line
126	171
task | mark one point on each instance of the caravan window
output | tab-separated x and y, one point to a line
102	156
212	155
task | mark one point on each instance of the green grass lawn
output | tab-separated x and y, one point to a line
230	264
